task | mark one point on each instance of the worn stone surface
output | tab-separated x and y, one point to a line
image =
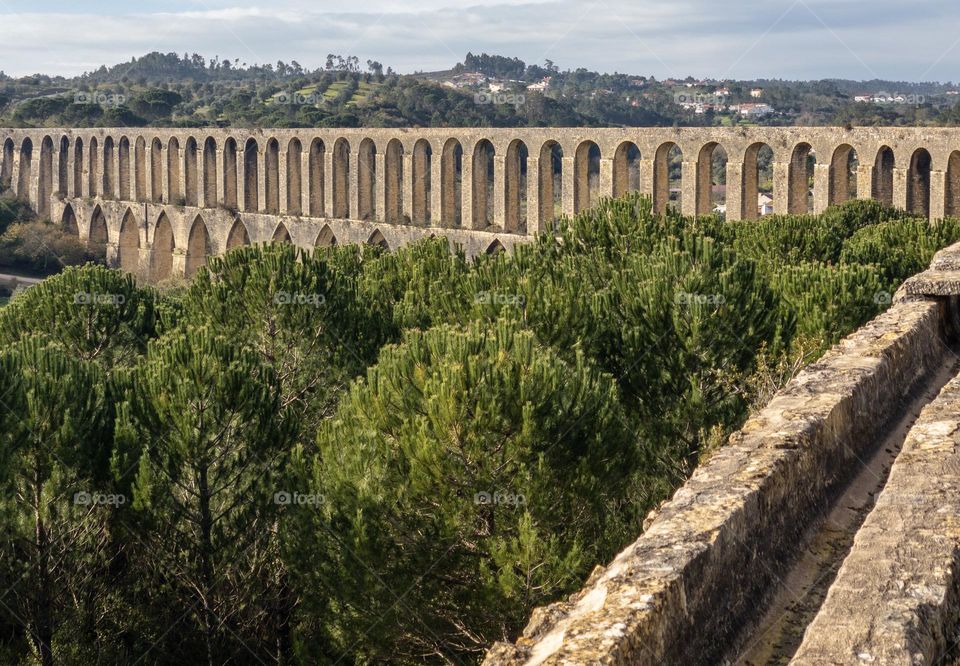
677	594
896	599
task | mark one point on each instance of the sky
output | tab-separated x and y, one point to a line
910	40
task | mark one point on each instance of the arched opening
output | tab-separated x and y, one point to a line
325	238
918	183
393	182
422	181
93	173
45	186
515	184
952	195
109	166
316	176
843	175
251	176
281	235
341	179
128	248
626	169
496	247
800	180
550	184
198	248
63	167
757	182
711	179
156	171
98	236
123	169
482	193
140	169
230	174
191	193
173	173
586	176
238	236
376	238
6	165
451	184
667	177
367	179
69	221
294	178
209	173
883	166
162	252
272	184
26	170
78	167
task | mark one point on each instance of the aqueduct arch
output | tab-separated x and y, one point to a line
128	247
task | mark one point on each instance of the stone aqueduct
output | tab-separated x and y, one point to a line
163	200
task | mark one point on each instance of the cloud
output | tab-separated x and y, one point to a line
737	39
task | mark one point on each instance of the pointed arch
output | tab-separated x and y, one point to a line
316	174
451	184
45	184
98	235
843	175
198	247
272	183
325	238
68	220
367	180
294	192
209	173
341	179
756	161
281	235
128	248
123	169
496	247
238	236
230	200
161	256
251	176
376	238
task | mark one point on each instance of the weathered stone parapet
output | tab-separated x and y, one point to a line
679	593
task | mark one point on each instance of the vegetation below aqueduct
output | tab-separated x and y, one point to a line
366	456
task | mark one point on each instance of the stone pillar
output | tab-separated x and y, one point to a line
179	268
407	185
436	187
71	185
241	180
569	185
646	177
354	179
606	179
900	179
202	180
735	187
690	190
143	264
466	191
261	178
781	188
534	226
500	193
864	180
306	181
165	174
282	180
328	182
113	255
380	206
55	168
222	177
821	187
938	194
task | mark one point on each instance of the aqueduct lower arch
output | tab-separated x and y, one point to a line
478	185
